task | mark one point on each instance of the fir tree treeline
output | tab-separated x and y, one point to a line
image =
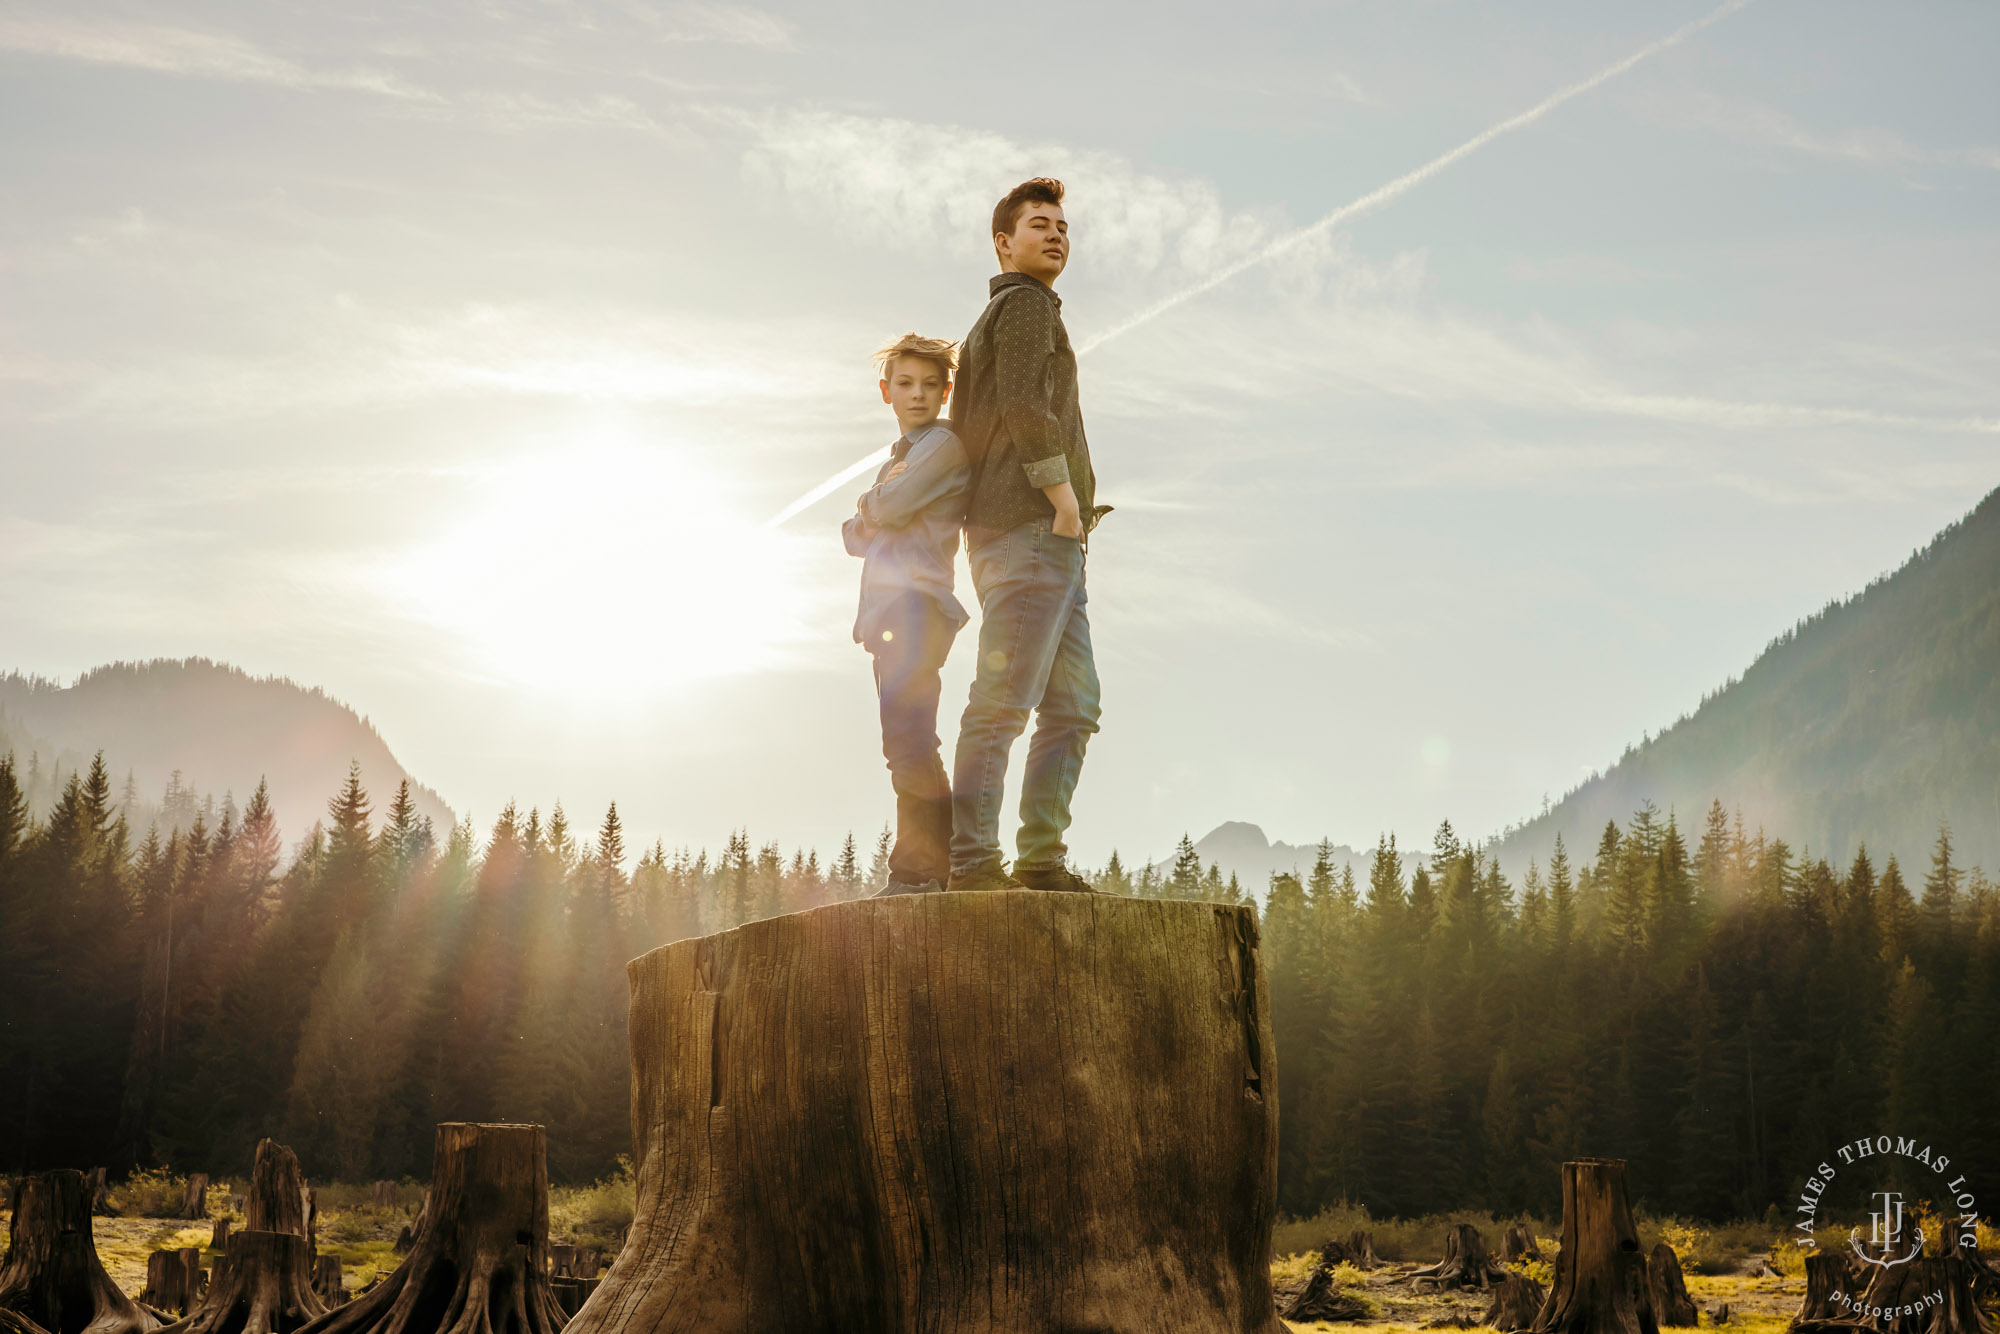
171	997
1721	1011
1723	1014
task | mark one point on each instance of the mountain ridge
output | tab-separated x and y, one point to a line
192	725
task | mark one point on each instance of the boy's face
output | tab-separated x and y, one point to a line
916	388
1038	245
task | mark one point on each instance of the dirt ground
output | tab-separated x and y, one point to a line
1756	1305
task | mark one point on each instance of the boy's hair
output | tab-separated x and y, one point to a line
1041	190
942	351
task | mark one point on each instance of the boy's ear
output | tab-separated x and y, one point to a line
944	394
885	391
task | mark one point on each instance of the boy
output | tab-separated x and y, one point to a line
906	528
1025	524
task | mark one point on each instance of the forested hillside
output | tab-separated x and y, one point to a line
191	726
1711	1005
1868	723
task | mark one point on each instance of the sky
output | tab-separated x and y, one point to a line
457	357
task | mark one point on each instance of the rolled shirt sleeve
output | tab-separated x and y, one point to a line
1024	337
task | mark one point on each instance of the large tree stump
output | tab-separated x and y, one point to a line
278	1199
1600	1283
943	1112
1322	1297
51	1274
262	1286
480	1262
13	1322
1466	1263
218	1236
1517	1300
173	1280
1667	1286
194	1198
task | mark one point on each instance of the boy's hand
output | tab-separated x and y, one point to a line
1069	519
902	466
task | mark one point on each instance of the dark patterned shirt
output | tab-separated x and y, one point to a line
1014	406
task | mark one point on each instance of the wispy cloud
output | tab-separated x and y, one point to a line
739	24
1867	145
934	184
182	51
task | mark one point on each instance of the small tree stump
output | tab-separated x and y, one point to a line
1517	1300
262	1286
1667	1287
1466	1263
218	1236
99	1182
561	1255
1600	1283
173	1280
194	1200
406	1240
327	1283
1828	1273
952	1112
1356	1248
51	1274
385	1195
1720	1315
480	1262
1322	1297
1518	1243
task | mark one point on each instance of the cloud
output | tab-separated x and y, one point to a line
723	23
935	185
181	51
1871	146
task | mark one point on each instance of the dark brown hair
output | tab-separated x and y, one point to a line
1041	190
942	351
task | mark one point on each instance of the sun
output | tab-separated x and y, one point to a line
607	568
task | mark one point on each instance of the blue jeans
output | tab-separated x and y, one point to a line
1034	653
909	645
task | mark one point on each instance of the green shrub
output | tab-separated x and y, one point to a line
149	1193
593	1215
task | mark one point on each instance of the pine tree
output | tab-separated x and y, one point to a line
878	867
847	872
1185	880
1113	879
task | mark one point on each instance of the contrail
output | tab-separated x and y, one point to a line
1374	199
1403	184
828	487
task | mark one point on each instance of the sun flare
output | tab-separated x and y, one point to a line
607	568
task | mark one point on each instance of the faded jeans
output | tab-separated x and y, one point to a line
1034	653
909	645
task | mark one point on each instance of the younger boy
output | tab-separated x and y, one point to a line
906	529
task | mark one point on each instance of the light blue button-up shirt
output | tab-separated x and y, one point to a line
917	516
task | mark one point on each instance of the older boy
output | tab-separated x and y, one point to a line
906	528
1031	508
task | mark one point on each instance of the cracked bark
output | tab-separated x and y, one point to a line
999	1111
51	1275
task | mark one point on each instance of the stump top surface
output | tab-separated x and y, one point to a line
915	909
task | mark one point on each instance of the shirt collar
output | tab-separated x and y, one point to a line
1000	281
904	443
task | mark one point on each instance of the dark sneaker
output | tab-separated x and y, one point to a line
895	887
1052	879
984	877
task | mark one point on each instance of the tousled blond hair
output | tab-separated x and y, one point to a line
942	351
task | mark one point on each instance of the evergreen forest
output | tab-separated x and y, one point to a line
1711	1005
